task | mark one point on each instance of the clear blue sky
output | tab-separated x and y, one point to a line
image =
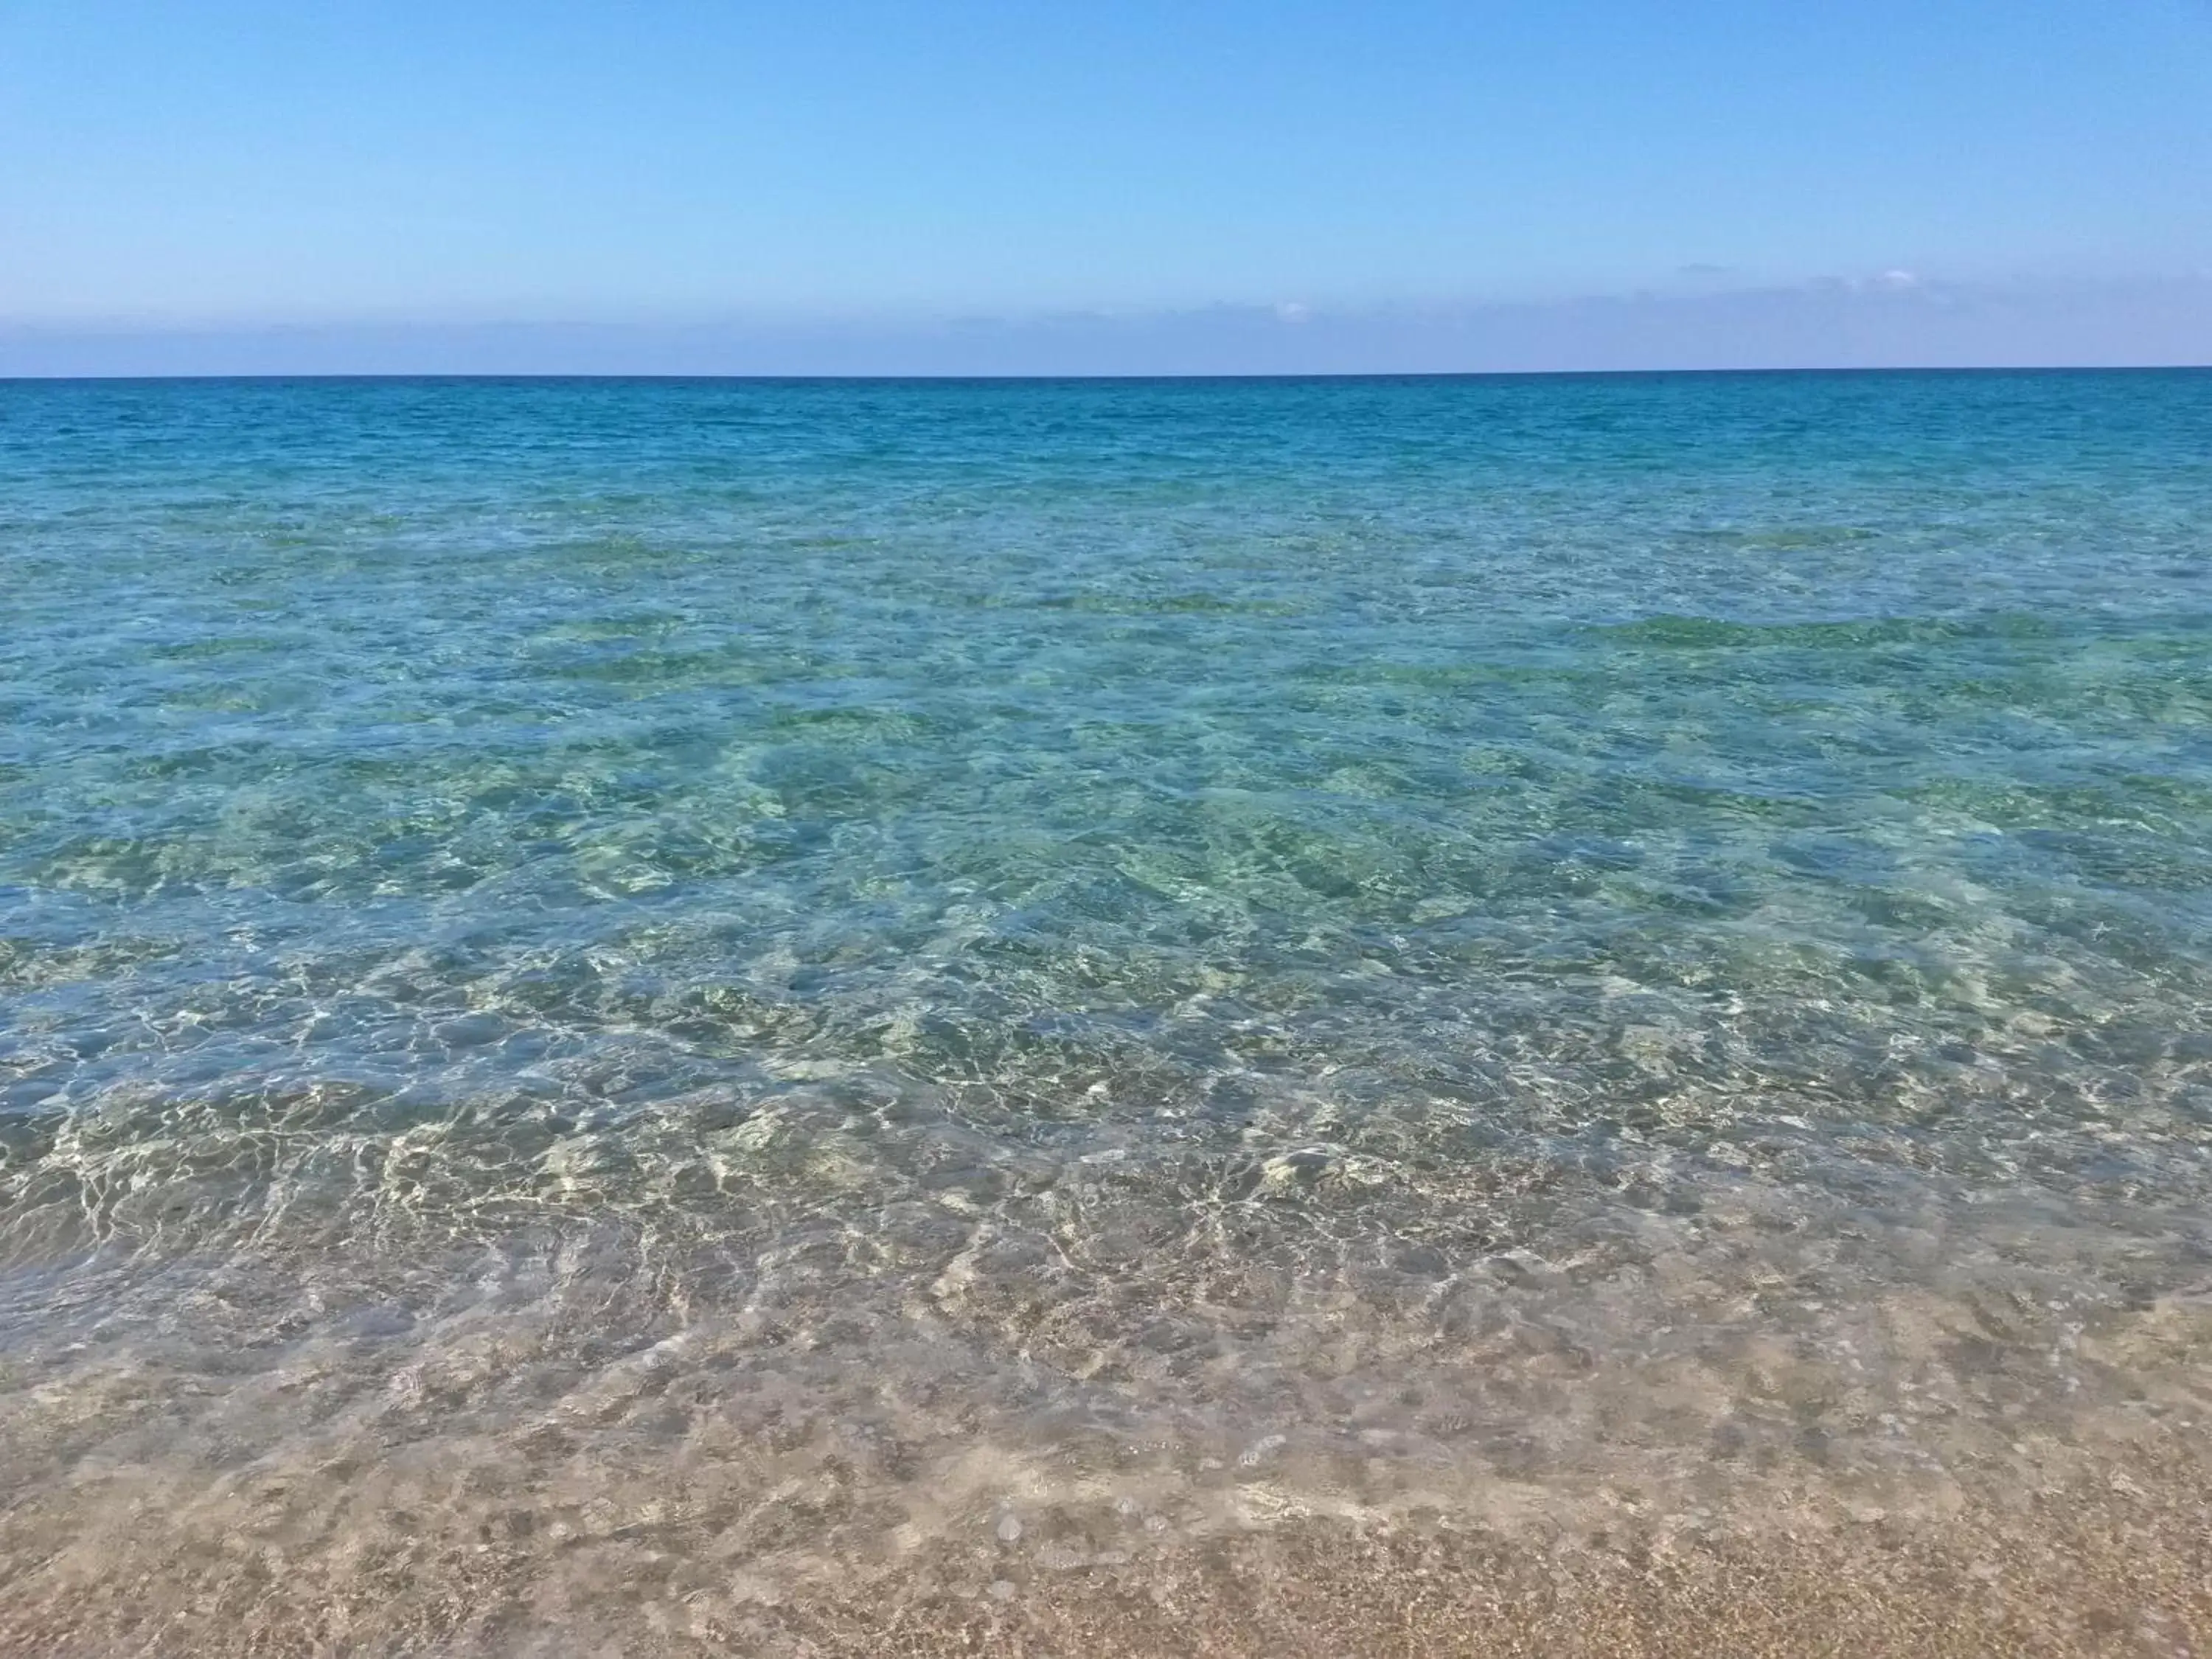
200	160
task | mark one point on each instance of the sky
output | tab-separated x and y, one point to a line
403	182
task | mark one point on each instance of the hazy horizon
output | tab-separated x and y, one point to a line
1883	324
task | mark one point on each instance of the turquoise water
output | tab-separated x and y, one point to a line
837	964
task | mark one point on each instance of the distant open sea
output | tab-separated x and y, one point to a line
797	1017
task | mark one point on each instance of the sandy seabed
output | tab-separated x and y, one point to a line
2116	1564
2073	1573
473	1487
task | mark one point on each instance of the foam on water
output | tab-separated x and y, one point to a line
622	998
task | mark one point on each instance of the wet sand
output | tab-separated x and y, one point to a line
2074	1573
472	1486
2116	1564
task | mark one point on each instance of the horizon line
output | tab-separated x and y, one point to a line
986	377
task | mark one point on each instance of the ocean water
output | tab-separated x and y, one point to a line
622	1001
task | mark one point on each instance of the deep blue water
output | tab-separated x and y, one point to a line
1066	916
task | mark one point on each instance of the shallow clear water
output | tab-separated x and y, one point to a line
790	970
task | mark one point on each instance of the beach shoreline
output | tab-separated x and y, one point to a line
2123	1565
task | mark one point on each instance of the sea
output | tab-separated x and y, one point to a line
674	1015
